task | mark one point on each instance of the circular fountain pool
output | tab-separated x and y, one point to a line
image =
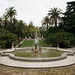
45	53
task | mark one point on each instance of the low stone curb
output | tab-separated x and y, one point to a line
36	67
63	56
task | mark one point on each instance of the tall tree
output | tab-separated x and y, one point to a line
21	28
11	12
31	29
5	17
54	15
69	18
46	22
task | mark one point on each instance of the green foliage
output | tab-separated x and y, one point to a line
50	30
30	30
15	42
10	13
1	26
59	37
46	22
54	15
69	18
72	41
18	27
3	43
6	38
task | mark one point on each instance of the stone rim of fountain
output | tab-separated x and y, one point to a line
63	56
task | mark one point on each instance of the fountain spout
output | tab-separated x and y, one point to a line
36	38
36	50
36	42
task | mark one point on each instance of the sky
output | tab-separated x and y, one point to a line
32	10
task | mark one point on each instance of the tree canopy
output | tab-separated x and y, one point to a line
69	18
54	15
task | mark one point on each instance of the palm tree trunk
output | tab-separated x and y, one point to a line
56	24
47	26
11	20
11	24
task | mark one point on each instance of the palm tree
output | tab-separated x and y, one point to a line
46	22
11	12
54	15
5	17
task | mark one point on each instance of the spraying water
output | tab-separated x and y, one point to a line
36	50
36	38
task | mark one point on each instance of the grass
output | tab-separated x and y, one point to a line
28	43
29	54
42	43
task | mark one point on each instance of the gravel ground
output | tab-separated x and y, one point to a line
69	70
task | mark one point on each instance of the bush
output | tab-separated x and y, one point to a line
3	43
6	38
72	41
60	38
50	30
15	42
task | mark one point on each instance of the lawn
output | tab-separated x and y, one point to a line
42	43
28	43
44	54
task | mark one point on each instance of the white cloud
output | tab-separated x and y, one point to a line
32	10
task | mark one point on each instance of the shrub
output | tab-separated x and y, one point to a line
3	43
6	38
60	38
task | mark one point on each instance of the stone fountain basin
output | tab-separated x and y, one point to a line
12	56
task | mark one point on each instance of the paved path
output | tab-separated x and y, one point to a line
7	61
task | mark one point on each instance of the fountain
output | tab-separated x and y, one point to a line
36	43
